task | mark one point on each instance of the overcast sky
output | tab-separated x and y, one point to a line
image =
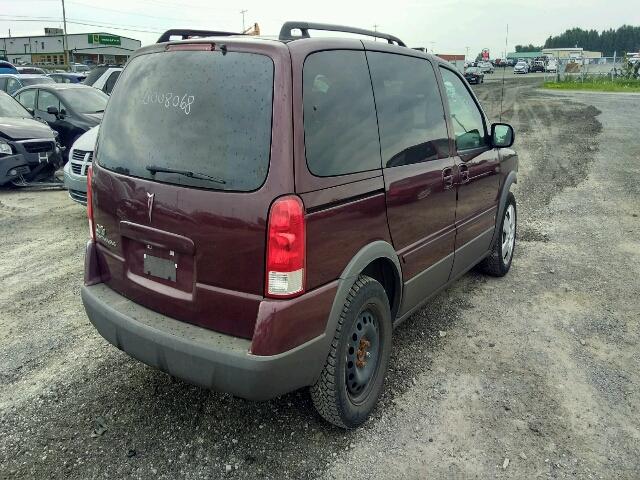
442	26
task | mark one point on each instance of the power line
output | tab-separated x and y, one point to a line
173	19
87	23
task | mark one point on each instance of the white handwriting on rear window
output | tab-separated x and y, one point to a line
170	100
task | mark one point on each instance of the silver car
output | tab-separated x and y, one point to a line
80	158
521	67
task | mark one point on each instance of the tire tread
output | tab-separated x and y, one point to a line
323	393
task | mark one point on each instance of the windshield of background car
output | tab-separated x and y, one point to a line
203	112
473	70
36	80
9	107
94	75
84	100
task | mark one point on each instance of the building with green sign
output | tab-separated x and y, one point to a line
49	50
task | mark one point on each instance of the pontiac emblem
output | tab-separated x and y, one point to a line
150	203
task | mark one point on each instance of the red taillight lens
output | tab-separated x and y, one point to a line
92	227
285	248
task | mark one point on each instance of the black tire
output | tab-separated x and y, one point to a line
348	406
495	264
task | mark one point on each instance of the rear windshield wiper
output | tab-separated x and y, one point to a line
200	176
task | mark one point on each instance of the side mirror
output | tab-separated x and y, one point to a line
30	110
52	111
502	135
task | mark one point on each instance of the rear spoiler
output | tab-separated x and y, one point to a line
184	34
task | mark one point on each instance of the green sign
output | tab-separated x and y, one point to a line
96	38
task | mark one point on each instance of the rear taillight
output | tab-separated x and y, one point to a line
285	248
92	227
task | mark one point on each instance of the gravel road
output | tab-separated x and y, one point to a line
531	376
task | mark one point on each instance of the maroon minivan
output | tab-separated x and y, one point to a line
263	212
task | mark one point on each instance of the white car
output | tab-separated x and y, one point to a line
485	67
78	68
552	66
75	171
521	67
103	78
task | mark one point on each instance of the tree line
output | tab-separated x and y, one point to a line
623	40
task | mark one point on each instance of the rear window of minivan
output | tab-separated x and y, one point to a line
203	113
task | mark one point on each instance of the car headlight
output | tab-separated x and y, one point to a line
5	148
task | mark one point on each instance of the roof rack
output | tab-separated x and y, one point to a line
304	27
184	34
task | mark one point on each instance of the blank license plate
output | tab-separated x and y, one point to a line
160	267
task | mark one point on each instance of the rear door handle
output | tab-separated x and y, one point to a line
447	178
464	173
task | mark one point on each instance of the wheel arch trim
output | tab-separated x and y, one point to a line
369	253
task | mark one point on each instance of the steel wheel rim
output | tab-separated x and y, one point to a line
363	354
508	234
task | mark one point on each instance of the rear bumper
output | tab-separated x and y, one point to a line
200	356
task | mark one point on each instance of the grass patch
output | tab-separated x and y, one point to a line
600	84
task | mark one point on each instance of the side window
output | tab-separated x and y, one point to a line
46	100
111	81
13	86
468	124
410	111
28	99
340	128
3	84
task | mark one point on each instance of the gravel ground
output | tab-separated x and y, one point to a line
531	376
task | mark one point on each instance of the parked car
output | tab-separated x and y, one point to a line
537	66
486	67
68	77
259	224
31	70
70	109
521	67
11	83
474	75
6	67
75	170
103	78
552	66
79	68
28	148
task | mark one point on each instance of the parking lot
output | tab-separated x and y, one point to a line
534	375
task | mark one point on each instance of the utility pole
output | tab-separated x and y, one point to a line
432	48
466	57
64	38
242	12
375	29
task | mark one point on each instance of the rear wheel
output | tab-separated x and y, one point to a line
351	381
498	263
